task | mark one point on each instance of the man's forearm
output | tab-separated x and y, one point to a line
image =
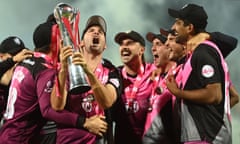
210	95
59	92
105	95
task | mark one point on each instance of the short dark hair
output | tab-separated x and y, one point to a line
196	29
42	37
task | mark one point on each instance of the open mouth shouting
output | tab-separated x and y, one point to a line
95	40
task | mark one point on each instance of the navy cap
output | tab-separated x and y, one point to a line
195	14
131	35
12	45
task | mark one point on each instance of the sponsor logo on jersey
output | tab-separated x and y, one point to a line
132	106
19	75
49	86
207	71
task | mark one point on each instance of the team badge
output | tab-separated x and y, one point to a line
87	103
207	71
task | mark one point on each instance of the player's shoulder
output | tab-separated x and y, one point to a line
108	64
205	47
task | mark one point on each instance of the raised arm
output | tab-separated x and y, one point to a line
8	62
60	91
105	95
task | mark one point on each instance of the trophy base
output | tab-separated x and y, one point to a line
79	89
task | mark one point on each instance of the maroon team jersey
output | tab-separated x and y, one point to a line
28	105
23	116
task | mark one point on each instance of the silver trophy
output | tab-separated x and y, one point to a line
77	77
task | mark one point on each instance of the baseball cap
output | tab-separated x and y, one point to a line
131	35
195	14
95	20
42	35
151	36
12	45
165	32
